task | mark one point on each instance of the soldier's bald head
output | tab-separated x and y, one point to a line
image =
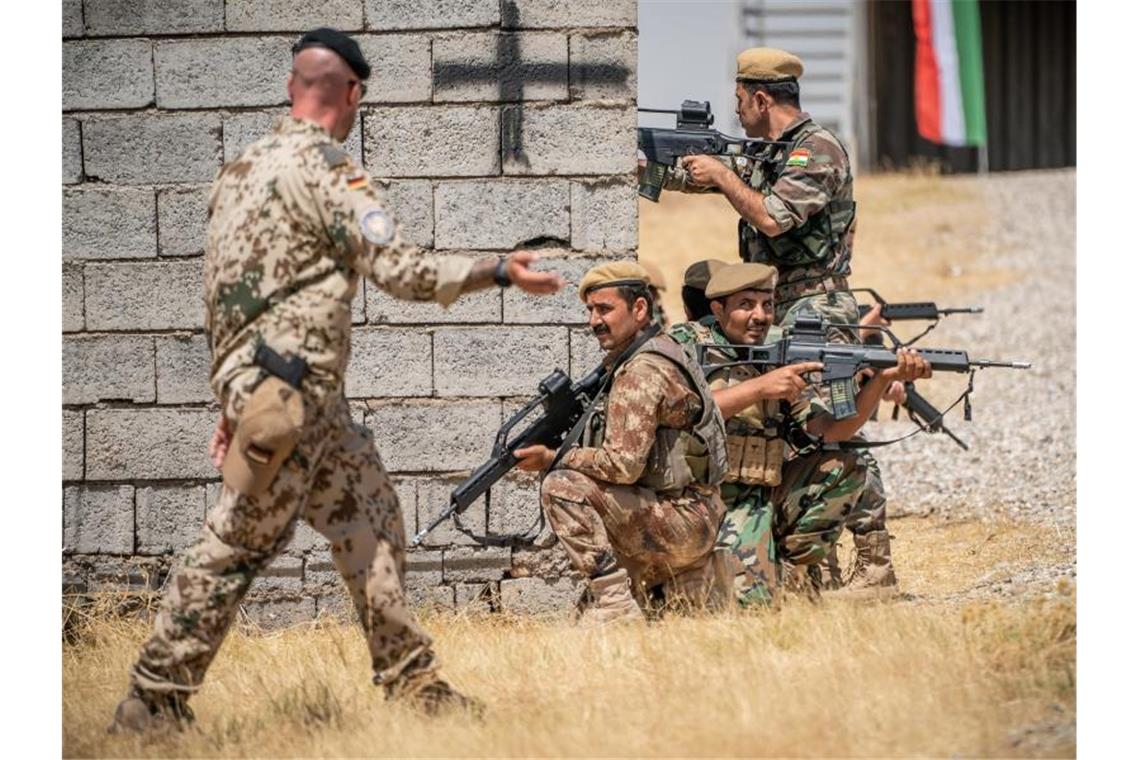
320	74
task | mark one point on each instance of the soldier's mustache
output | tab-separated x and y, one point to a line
601	330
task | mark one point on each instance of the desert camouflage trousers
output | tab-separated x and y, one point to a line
795	523
335	481
603	526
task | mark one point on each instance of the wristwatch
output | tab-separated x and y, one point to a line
501	278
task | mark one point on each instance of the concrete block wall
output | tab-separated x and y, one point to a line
491	122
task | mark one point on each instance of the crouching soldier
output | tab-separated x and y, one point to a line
785	509
637	499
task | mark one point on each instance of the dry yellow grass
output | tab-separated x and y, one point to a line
927	676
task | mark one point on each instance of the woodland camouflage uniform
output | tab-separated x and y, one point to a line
784	511
294	224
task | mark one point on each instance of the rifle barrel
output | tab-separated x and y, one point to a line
1007	365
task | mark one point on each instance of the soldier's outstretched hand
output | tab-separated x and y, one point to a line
910	366
530	280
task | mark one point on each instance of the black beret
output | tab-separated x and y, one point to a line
339	43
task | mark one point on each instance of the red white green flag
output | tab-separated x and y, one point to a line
949	89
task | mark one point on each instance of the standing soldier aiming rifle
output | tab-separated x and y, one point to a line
294	224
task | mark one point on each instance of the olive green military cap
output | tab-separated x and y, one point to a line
764	64
611	275
656	276
698	274
737	277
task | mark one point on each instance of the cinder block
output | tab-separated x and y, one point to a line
98	519
116	574
516	510
143	149
228	71
321	575
434	498
107	74
107	17
475	597
423	574
410	201
469	564
149	444
603	214
336	605
108	367
437	598
603	66
72	18
158	296
359	316
406	492
553	140
496	361
183	364
72	444
292	15
563	307
308	541
389	362
429	14
182	220
500	213
481	306
72	152
585	353
275	614
432	141
72	297
241	129
529	14
434	436
489	66
281	578
535	596
112	223
401	67
169	518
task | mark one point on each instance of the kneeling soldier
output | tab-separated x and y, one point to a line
638	497
785	511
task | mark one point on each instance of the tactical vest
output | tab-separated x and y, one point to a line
753	444
679	457
821	240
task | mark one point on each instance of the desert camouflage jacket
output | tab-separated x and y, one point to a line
293	225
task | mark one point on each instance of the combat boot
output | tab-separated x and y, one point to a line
613	601
426	692
707	587
803	581
142	713
832	571
874	575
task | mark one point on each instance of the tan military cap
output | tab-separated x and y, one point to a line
737	277
266	435
763	64
698	274
656	276
610	274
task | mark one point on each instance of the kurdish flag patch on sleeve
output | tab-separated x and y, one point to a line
799	157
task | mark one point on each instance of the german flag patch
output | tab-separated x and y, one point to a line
357	183
799	157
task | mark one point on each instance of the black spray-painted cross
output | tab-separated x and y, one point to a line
511	73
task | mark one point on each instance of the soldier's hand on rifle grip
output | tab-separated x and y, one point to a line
911	366
530	280
534	458
895	393
873	318
785	383
704	171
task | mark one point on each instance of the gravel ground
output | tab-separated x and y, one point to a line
1022	459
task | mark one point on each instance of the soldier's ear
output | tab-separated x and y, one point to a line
716	306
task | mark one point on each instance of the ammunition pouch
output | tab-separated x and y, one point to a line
754	460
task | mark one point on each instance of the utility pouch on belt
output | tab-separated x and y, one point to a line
269	428
754	459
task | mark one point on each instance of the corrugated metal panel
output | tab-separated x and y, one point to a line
822	34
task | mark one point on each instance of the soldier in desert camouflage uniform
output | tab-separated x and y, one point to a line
637	499
785	510
294	224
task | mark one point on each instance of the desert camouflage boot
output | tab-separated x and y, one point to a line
613	602
139	715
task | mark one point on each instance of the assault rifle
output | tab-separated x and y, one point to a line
563	403
806	341
911	310
693	136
